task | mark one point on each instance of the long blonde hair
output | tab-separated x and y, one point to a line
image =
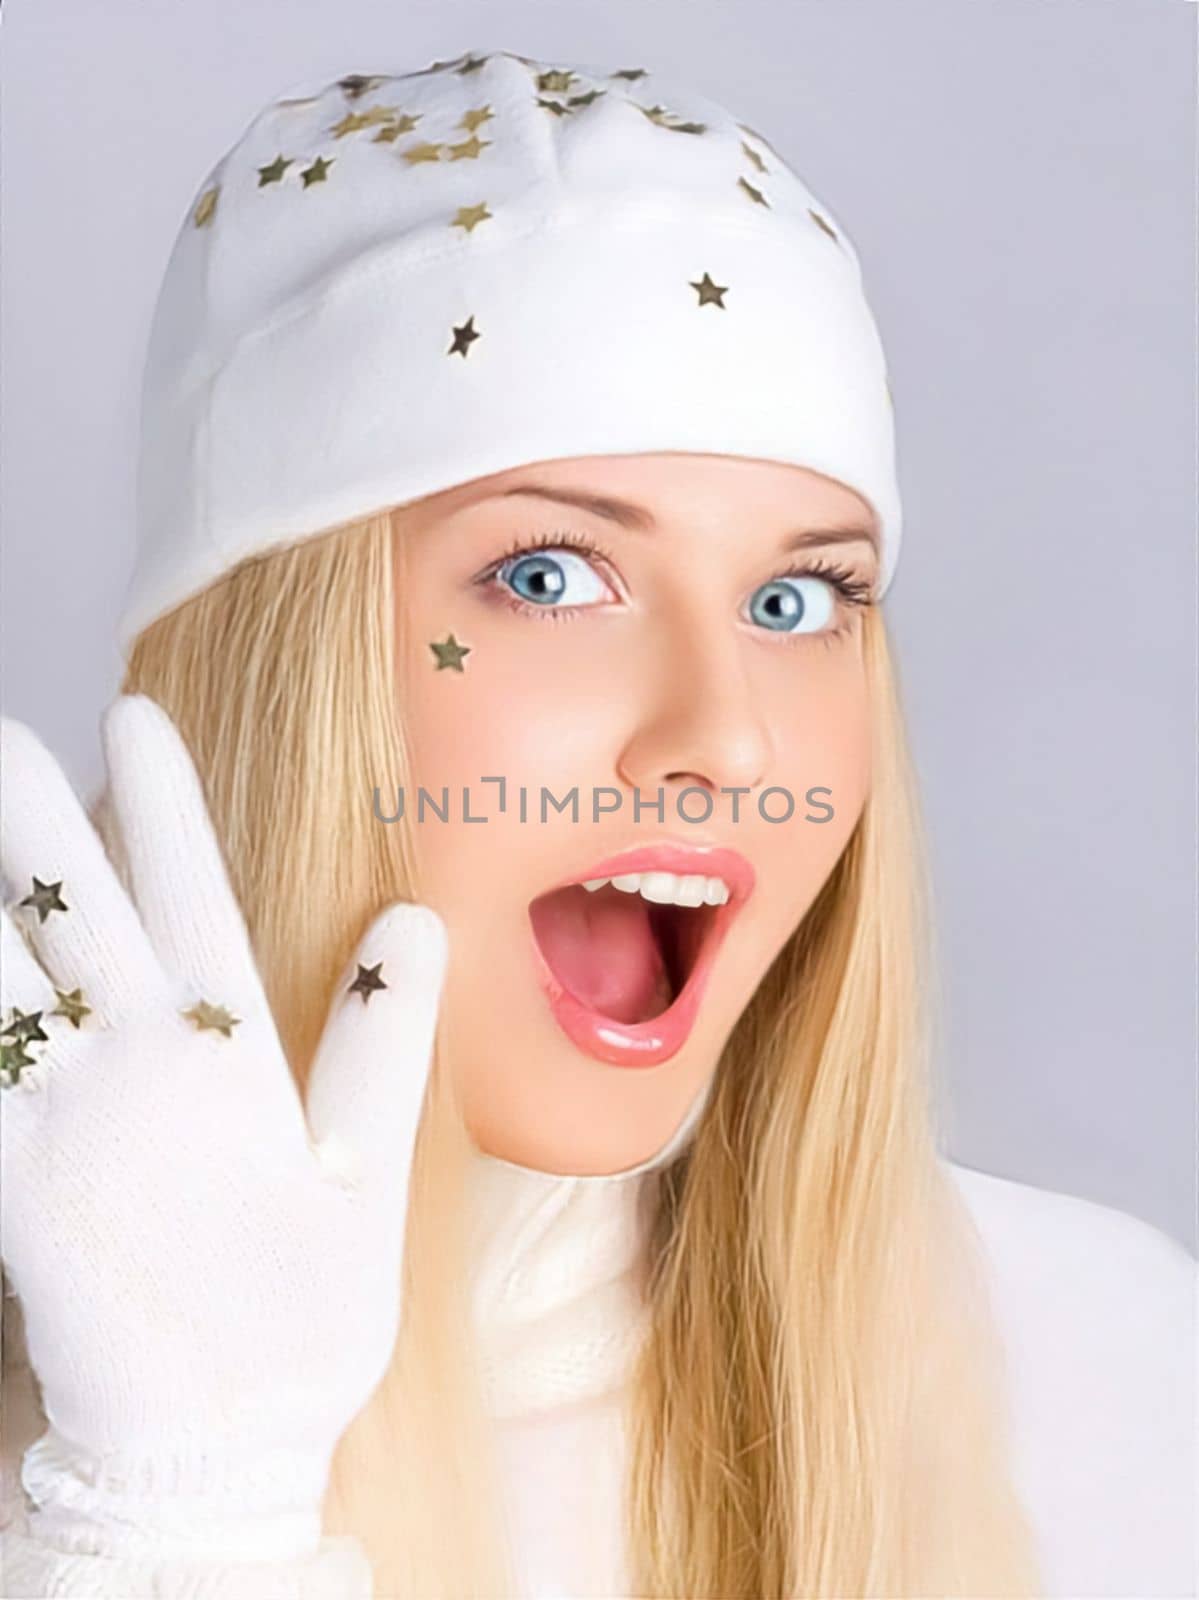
819	1409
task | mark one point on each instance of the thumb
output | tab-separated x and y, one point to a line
367	1085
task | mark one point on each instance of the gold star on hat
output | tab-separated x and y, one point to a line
710	293
318	171
469	217
205	206
71	1005
469	149
464	337
449	653
367	982
273	173
217	1018
470	120
44	899
421	152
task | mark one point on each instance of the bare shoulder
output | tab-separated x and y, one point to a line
1097	1313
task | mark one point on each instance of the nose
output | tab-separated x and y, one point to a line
702	725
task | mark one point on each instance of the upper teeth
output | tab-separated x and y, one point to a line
667	888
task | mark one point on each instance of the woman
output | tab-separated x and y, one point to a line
594	951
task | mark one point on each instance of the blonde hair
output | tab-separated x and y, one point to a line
820	1406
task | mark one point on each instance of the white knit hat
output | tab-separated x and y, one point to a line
397	283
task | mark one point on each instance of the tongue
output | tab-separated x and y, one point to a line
601	947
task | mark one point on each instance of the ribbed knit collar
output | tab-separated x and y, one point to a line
558	1276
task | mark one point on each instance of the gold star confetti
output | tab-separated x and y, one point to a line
555	82
471	64
630	73
421	152
44	899
762	139
820	222
654	113
24	1027
350	123
470	120
710	293
469	149
206	206
435	66
754	194
71	1005
317	172
217	1018
274	172
379	114
449	653
555	106
469	216
355	84
754	156
13	1057
464	337
585	99
367	981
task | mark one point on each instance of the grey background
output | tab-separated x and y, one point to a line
1019	179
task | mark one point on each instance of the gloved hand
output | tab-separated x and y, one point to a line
210	1277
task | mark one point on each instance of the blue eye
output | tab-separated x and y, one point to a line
793	605
552	578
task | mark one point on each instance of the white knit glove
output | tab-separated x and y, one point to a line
210	1278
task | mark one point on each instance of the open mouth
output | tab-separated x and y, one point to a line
624	958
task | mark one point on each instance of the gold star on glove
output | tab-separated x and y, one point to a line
464	337
71	1005
469	217
274	172
13	1057
450	653
217	1018
24	1027
367	981
317	172
44	899
710	293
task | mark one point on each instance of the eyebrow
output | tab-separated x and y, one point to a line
639	519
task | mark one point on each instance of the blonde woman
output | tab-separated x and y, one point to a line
468	1133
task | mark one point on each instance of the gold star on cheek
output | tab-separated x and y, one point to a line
350	123
71	1006
467	216
821	223
468	150
464	337
217	1018
754	194
421	152
206	206
24	1027
470	120
710	293
367	981
753	156
44	899
274	172
449	653
317	172
13	1057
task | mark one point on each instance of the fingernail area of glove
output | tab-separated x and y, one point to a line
339	1159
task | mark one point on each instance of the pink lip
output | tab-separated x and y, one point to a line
646	1044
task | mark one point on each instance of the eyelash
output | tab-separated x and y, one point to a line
854	592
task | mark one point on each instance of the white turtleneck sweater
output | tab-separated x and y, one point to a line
1097	1310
